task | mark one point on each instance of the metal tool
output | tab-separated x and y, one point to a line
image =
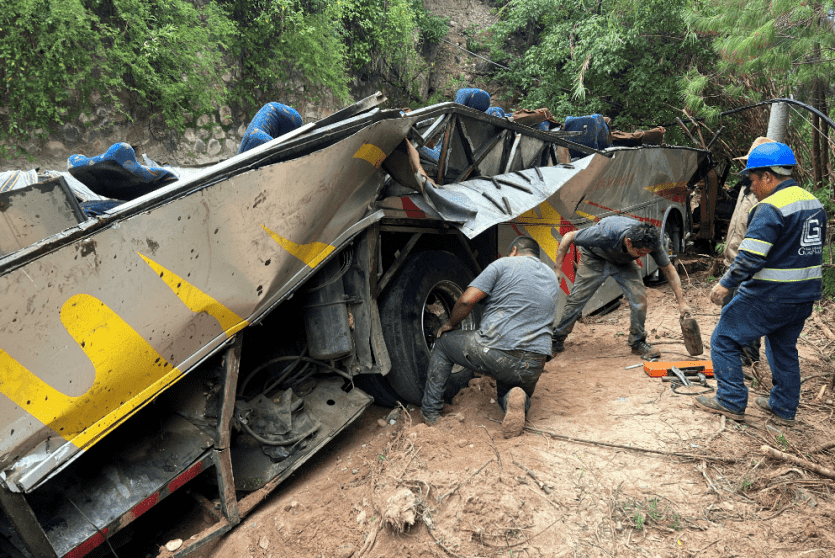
681	376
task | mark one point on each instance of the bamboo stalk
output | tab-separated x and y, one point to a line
808	465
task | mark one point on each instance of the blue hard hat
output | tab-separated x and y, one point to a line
771	154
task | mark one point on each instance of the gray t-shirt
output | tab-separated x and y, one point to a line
521	304
605	240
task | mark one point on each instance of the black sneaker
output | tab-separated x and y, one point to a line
645	350
557	345
711	405
762	403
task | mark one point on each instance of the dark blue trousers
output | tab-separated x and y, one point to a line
744	319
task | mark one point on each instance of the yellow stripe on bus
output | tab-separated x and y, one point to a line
197	301
311	254
543	234
588	216
128	372
371	153
655	188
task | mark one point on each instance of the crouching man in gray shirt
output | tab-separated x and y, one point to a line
513	341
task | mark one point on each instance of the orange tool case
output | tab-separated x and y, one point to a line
659	369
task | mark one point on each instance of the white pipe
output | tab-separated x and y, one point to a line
778	122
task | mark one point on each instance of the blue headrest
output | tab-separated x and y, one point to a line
273	120
478	99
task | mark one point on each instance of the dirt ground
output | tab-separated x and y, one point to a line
459	489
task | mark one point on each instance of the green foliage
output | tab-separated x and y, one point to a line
387	39
47	55
279	41
164	53
167	54
55	52
767	44
614	57
829	281
643	514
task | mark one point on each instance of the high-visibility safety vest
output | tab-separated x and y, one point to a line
781	257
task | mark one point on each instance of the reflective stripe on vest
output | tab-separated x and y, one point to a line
791	200
759	247
789	275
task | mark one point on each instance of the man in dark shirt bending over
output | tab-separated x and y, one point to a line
513	341
609	249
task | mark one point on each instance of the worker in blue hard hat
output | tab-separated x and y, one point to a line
737	228
779	273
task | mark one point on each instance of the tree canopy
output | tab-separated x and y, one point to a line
167	55
620	58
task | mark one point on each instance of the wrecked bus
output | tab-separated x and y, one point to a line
234	322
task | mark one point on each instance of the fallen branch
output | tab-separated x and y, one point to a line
703	470
826	331
369	542
822	447
777	454
441	498
493	445
705	548
526	541
532	475
631	448
439	542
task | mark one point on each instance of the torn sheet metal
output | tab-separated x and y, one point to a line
621	182
130	303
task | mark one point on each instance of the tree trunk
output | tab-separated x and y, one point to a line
826	169
817	179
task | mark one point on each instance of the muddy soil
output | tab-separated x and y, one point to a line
459	489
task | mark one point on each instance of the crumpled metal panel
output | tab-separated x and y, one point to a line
103	317
333	407
105	486
627	182
97	326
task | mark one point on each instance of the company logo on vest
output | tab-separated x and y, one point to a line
812	240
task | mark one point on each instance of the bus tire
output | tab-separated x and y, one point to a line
672	237
377	387
415	305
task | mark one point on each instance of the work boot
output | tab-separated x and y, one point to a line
711	405
645	350
762	403
557	345
429	420
514	417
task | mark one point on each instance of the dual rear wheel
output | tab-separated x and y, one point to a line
418	301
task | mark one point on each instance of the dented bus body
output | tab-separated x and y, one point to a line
235	322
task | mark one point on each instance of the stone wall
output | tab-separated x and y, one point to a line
210	139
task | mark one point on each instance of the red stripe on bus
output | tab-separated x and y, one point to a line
186	476
411	209
87	546
145	505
